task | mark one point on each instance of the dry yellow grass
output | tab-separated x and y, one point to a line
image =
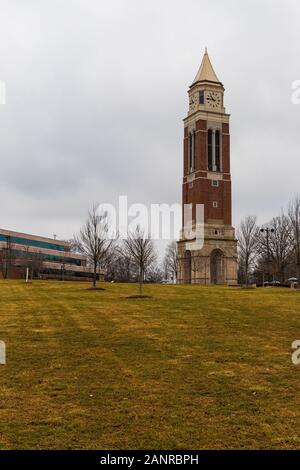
190	367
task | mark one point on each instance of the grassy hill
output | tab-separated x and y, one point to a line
191	367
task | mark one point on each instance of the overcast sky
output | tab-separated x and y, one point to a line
96	94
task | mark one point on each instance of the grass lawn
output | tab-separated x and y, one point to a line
191	367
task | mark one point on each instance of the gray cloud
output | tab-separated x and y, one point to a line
96	94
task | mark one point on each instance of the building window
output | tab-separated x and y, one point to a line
210	150
215	204
218	151
215	183
192	150
201	97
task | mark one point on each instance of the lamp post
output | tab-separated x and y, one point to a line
268	231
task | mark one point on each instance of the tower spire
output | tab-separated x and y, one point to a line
206	72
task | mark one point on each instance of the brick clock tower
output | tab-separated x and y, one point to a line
207	181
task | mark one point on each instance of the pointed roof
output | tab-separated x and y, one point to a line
206	72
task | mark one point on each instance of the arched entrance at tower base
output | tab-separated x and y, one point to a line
217	267
187	267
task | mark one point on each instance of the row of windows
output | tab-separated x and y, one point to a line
213	150
46	257
69	273
29	242
214	183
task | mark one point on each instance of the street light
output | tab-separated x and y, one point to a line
268	231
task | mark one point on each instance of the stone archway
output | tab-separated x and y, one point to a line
216	267
187	267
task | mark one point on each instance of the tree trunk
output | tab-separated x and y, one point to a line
141	280
246	274
95	275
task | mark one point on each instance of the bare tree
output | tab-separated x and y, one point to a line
154	274
120	266
3	264
196	264
94	241
7	258
170	261
279	248
294	219
247	236
33	261
200	268
206	265
140	248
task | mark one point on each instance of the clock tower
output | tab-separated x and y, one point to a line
207	182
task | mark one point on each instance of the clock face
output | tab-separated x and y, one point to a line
213	99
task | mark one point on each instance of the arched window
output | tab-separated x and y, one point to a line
190	151
216	267
210	150
218	151
192	148
187	267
